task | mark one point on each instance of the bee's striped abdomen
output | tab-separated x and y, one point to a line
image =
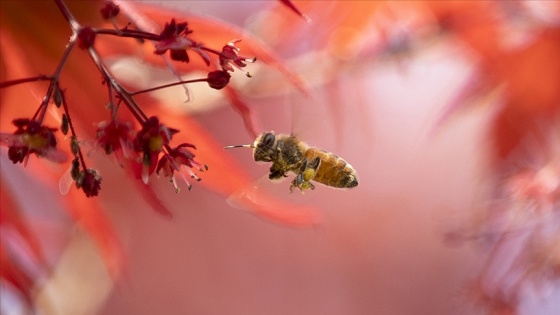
333	171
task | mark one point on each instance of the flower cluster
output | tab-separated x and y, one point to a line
140	142
145	146
114	136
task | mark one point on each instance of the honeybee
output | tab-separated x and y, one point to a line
288	153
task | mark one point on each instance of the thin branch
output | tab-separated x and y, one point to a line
54	81
25	80
168	85
121	91
128	33
71	125
68	15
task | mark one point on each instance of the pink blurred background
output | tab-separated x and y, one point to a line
380	247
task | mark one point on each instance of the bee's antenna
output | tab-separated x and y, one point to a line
240	146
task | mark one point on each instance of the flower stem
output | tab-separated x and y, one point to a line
128	33
67	15
72	130
168	85
25	80
54	80
119	89
210	50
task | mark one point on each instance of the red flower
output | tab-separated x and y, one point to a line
174	38
30	137
89	181
181	160
150	141
114	137
229	58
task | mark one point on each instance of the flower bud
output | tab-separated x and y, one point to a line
218	79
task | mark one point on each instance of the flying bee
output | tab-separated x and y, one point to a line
288	153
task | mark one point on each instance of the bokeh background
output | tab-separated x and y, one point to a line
410	93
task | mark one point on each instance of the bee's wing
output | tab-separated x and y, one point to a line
259	200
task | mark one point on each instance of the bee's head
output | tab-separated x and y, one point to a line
264	148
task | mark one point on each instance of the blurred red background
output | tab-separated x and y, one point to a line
437	105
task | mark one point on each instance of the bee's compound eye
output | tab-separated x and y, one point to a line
268	140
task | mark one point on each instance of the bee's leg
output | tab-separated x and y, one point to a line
314	165
298	180
310	172
276	172
307	172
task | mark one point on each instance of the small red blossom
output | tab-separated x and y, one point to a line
31	137
110	10
179	159
218	79
89	181
86	37
174	38
150	141
229	58
114	137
